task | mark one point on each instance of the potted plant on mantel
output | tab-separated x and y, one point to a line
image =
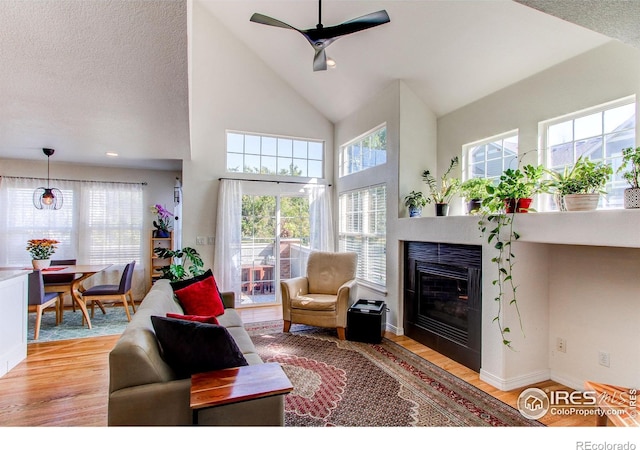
631	172
449	185
579	188
500	205
474	190
415	201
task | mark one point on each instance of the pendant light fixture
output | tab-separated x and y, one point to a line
47	198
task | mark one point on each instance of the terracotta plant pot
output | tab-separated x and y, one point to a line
520	205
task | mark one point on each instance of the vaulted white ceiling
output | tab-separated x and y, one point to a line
92	76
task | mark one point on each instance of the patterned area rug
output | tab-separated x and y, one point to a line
349	384
113	322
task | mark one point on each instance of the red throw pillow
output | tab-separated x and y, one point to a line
192	318
201	298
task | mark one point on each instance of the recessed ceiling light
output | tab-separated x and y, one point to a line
111	154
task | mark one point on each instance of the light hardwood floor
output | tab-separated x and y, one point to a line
65	383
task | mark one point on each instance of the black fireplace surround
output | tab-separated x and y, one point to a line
443	298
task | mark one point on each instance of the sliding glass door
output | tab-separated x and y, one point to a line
275	244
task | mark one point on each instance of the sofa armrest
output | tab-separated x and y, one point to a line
229	299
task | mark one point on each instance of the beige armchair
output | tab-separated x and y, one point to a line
322	297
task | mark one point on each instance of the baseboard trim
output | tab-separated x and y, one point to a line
515	382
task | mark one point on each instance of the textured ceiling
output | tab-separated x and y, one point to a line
90	76
94	76
618	19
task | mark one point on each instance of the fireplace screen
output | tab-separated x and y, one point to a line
444	296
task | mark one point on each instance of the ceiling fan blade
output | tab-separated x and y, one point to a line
320	60
352	26
266	20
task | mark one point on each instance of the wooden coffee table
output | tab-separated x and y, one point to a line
222	387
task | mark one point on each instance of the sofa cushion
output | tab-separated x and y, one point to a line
181	284
194	318
201	298
192	347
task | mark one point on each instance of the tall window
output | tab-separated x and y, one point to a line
363	227
366	151
490	157
274	155
598	134
275	244
98	223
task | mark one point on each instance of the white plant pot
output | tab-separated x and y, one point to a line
581	202
632	198
39	264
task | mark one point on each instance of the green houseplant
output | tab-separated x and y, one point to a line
415	201
501	204
474	190
578	188
630	170
185	263
449	185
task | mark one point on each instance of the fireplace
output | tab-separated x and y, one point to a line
443	299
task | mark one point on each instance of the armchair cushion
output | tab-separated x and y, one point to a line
314	302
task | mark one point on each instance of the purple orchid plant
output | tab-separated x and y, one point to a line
164	217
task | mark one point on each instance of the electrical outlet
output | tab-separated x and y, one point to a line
561	345
200	240
210	240
603	359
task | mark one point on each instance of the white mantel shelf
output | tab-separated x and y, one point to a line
606	228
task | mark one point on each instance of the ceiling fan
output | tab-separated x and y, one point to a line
320	37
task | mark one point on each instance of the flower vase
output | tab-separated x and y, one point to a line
39	264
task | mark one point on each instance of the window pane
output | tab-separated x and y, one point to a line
252	144
269	146
285	147
315	151
561	155
269	165
252	164
300	149
560	133
366	152
300	167
621	118
234	162
235	142
589	148
315	169
588	126
614	143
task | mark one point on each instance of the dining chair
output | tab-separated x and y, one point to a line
60	282
39	300
119	292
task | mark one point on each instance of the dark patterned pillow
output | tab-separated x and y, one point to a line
190	347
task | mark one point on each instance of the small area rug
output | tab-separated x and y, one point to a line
113	322
349	384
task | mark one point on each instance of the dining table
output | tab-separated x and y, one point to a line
75	287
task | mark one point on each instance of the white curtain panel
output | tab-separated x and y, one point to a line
227	258
320	218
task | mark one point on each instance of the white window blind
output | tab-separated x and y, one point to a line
363	230
98	223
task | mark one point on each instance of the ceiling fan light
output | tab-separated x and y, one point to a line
331	62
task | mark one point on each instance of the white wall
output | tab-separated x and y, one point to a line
411	145
589	290
245	96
